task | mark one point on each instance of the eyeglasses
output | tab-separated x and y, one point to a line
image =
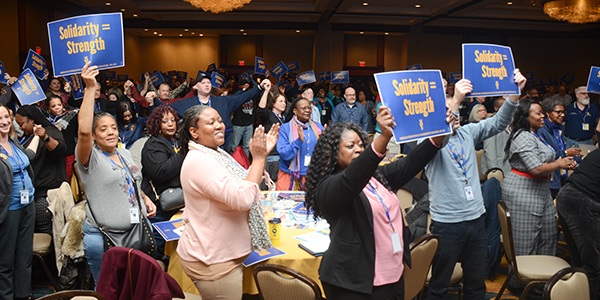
560	112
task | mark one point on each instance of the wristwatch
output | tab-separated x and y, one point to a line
47	139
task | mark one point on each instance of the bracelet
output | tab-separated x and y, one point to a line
456	114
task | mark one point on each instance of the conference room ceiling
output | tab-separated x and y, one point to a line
474	17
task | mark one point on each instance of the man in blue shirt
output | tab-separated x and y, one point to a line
581	120
350	111
457	207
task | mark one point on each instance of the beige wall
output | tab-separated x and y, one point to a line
165	54
9	52
395	55
240	48
288	48
361	48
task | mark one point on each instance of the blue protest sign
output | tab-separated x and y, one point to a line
415	67
181	75
76	85
97	38
490	70
293	66
168	78
279	69
156	78
324	76
211	68
306	77
2	73
37	64
340	77
417	101
593	83
217	79
455	77
260	66
28	89
172	73
245	76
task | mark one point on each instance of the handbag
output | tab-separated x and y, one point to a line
170	199
139	237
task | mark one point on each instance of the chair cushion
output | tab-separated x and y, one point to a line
279	286
41	243
539	267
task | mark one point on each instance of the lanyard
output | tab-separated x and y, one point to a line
460	160
350	110
371	188
542	140
209	101
19	162
173	143
24	140
128	176
559	140
584	114
278	118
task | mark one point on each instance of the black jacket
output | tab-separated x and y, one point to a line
49	166
160	164
350	261
6	180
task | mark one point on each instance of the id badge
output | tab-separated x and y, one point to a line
24	197
469	193
396	243
307	160
323	113
134	215
585	126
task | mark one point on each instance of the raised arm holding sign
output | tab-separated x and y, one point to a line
417	100
489	67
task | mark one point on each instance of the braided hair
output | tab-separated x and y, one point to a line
324	162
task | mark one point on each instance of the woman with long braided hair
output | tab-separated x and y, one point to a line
346	186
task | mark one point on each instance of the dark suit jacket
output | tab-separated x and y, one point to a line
350	261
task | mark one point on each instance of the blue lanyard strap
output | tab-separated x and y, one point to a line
25	139
128	176
371	188
585	110
278	118
542	140
18	161
460	160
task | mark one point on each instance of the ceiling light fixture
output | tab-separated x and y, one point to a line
160	34
418	5
122	9
245	33
107	3
509	3
387	33
297	31
186	29
218	7
181	34
145	29
365	3
201	34
135	15
155	32
362	32
573	11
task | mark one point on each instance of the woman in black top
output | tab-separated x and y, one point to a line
272	112
161	162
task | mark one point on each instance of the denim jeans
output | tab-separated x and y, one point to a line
465	242
581	215
243	134
93	247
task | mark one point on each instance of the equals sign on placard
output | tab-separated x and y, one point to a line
105	26
432	84
504	57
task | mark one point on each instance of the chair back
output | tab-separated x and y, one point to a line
422	251
277	282
479	156
567	284
507	239
73	294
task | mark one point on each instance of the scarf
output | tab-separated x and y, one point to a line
256	221
295	164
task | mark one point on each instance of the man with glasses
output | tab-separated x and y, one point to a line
350	111
581	120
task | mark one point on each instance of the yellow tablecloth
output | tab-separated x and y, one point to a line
294	258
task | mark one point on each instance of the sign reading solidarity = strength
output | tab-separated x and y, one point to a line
490	69
593	84
28	89
417	101
97	38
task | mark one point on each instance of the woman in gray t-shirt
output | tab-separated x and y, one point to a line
108	174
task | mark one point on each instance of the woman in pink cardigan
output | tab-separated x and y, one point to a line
222	214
